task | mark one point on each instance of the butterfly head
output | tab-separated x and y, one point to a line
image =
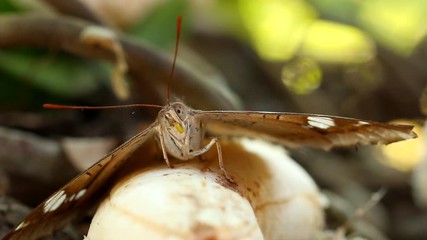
174	119
180	131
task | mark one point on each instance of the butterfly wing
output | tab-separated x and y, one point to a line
293	130
80	194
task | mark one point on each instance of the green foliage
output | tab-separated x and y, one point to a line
7	6
57	74
20	95
159	27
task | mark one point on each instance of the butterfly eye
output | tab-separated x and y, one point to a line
179	110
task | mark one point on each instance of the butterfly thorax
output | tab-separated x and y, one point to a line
181	131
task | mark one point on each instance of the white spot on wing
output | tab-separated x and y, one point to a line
362	123
55	201
81	193
21	225
321	122
72	197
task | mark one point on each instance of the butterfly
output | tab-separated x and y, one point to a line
180	131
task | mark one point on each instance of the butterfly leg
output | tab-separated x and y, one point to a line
163	147
219	150
221	161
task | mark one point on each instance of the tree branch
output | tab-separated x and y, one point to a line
148	66
76	9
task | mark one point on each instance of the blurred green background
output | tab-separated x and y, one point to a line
301	44
354	58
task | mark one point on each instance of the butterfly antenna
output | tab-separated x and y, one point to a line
56	106
178	36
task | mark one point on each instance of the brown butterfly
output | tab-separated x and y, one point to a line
181	131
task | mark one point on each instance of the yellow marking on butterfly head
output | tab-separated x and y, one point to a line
178	127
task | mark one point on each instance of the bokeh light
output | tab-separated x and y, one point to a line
302	76
336	43
276	27
399	25
281	29
404	156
